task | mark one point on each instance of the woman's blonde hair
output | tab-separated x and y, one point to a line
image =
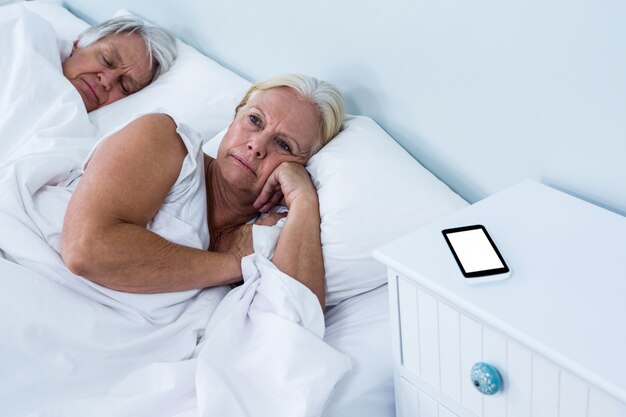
323	95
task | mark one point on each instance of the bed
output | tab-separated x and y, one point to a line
72	348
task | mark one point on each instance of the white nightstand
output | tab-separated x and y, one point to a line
556	330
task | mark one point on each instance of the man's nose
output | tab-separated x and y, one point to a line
107	78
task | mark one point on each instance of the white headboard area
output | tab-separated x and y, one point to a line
483	93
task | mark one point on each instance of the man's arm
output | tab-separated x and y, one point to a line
104	234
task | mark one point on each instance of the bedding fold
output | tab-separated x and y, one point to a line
41	110
266	339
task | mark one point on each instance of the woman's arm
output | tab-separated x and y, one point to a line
104	234
298	252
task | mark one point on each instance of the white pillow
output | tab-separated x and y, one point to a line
371	191
196	90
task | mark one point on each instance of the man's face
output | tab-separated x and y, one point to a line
108	70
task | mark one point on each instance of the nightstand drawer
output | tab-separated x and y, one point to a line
439	344
416	403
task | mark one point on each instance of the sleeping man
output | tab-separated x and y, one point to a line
106	63
117	58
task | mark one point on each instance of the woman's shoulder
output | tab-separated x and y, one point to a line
158	123
156	130
152	135
161	123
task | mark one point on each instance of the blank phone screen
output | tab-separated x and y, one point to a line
474	251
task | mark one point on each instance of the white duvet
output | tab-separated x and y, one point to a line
71	348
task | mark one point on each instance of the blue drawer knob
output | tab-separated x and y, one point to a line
486	378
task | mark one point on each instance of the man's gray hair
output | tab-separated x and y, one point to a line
160	44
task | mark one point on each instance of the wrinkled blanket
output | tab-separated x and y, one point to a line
71	348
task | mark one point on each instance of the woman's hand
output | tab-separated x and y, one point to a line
289	182
299	249
269	219
238	240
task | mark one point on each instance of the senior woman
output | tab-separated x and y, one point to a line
117	58
150	180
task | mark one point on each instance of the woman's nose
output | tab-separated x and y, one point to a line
258	145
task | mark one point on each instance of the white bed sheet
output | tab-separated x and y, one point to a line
360	328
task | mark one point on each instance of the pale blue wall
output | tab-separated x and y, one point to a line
484	93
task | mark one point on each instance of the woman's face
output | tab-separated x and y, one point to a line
275	126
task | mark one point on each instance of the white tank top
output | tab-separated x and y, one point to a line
182	218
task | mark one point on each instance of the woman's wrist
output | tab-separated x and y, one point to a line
305	202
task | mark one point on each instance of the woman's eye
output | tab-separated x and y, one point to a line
106	61
284	145
255	120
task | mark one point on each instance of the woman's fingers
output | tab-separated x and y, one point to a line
237	241
274	199
268	199
269	191
269	219
288	181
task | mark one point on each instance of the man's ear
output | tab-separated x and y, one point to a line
74	47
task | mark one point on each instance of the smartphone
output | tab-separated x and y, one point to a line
476	254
